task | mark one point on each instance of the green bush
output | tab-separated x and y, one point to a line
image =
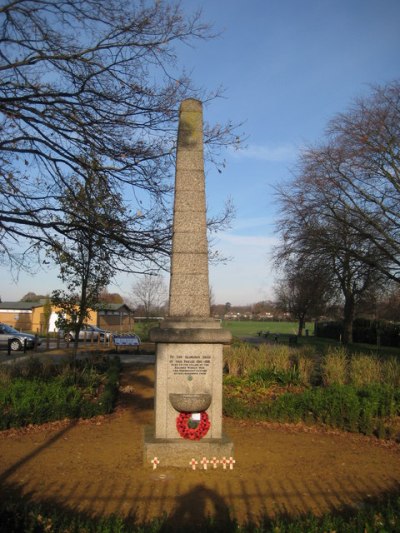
267	376
70	394
343	406
328	330
364	331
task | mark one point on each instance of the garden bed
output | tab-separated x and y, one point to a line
34	392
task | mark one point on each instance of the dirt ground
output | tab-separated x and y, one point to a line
96	466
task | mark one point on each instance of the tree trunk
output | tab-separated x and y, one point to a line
302	324
348	318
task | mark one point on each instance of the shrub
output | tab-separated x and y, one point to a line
242	359
344	406
390	371
267	363
71	394
364	330
267	376
328	330
36	401
334	367
276	357
306	369
364	370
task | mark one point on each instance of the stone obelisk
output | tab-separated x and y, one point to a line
189	357
189	289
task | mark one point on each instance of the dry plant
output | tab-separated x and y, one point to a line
241	359
334	367
276	357
364	370
305	368
390	371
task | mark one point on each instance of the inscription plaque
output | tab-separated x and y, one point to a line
189	365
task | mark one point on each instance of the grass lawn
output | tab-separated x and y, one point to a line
238	328
250	328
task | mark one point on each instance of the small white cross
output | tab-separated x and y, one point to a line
224	462
231	462
204	462
155	462
193	463
214	461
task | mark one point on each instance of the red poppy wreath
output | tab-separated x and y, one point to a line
188	428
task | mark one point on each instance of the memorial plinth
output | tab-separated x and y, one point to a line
189	344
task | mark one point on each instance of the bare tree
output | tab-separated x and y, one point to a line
150	294
83	79
303	290
342	205
309	232
357	173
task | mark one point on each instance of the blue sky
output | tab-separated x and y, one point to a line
287	67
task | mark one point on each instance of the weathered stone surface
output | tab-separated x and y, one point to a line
187	368
198	308
190	181
191	201
182	223
190	284
190	242
194	336
190	403
191	323
190	263
190	161
189	290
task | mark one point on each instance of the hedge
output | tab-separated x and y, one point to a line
26	400
361	410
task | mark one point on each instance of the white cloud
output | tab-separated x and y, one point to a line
253	222
272	153
248	240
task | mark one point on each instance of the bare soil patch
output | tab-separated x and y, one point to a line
96	466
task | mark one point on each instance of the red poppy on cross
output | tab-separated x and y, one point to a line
231	462
204	462
155	462
214	461
193	463
224	462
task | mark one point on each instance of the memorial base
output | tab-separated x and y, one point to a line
179	452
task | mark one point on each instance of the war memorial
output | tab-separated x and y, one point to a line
189	343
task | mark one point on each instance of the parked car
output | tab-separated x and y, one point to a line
16	338
88	332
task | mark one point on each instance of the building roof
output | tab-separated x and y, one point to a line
20	306
26	306
112	307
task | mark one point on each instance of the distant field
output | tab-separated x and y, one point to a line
248	328
239	328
